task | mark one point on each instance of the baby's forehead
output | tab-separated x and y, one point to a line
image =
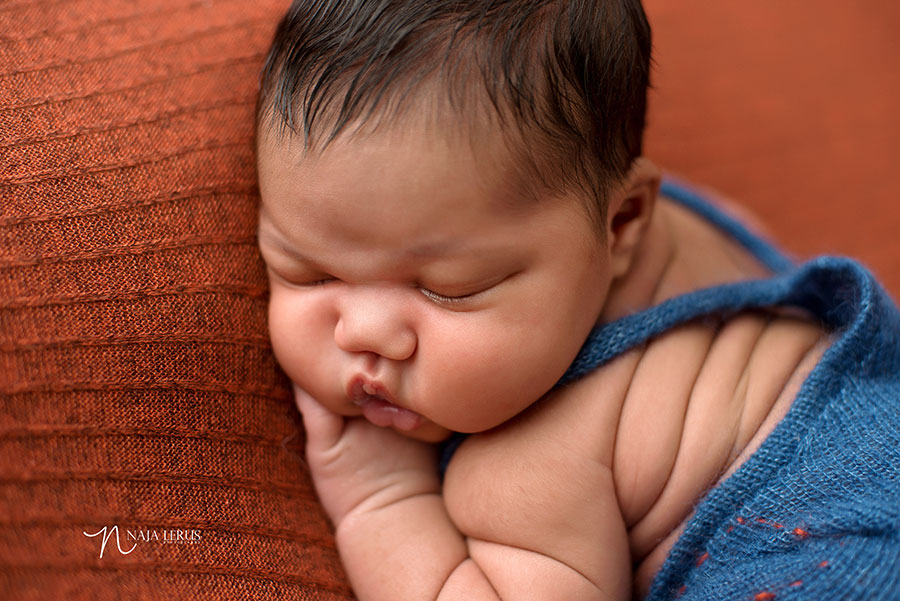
474	147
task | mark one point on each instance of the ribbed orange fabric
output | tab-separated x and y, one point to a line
138	387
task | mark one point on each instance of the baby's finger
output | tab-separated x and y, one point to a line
323	427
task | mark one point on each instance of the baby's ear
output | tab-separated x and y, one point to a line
629	212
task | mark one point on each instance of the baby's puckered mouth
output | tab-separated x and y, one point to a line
362	388
378	405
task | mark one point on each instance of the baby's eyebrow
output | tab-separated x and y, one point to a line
265	234
433	249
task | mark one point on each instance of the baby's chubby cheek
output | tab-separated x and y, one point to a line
299	351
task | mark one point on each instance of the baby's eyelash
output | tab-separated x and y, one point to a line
440	298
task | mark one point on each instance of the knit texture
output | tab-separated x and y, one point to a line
138	385
814	513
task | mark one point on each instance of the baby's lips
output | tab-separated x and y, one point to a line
385	414
378	406
362	388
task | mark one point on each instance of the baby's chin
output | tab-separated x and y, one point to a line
427	432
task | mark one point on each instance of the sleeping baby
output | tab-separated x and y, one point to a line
463	238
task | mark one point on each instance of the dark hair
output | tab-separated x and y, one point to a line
574	72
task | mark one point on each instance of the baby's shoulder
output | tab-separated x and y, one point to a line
747	358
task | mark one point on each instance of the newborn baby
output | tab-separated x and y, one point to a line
453	200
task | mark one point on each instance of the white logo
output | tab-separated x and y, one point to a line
143	535
106	535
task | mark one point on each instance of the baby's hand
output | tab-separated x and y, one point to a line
358	467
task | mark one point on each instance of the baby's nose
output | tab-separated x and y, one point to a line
374	321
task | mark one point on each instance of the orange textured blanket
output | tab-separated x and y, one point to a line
139	392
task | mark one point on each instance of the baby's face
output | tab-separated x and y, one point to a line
409	285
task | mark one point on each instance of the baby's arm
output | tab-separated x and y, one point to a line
540	514
383	495
521	526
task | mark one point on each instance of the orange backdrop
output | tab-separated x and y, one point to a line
792	109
